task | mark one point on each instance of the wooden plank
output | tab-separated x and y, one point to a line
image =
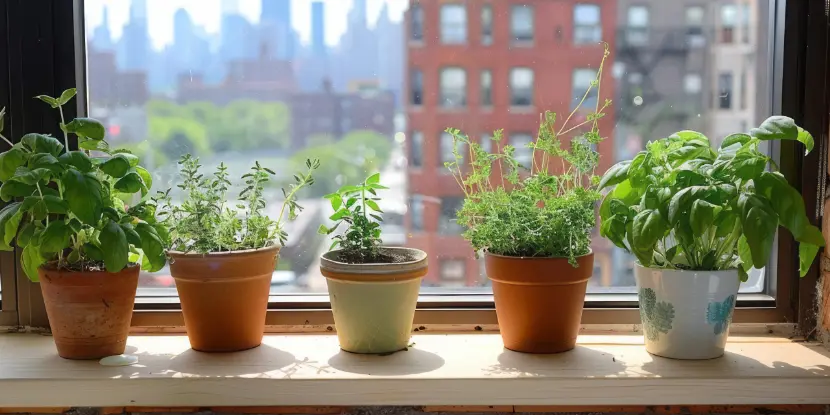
439	370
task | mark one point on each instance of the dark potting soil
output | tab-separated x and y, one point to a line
384	256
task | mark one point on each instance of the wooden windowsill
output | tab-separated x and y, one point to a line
458	369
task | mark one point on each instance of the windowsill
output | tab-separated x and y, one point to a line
461	369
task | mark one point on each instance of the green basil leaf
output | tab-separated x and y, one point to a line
55	237
25	234
779	127
30	177
703	216
647	228
734	139
31	260
87	127
12	189
152	245
66	96
132	235
116	166
116	249
130	183
10	161
93	252
615	175
373	179
6	214
93	145
40	143
146	179
77	159
53	102
614	228
373	205
759	222
806	255
83	194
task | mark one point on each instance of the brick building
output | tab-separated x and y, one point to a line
481	66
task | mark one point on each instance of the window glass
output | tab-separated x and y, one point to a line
453	87
341	81
587	28
486	88
486	24
487	142
728	21
524	155
416	23
521	86
445	150
453	23
521	23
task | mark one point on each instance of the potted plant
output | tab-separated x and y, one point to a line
67	212
223	259
697	220
373	289
534	224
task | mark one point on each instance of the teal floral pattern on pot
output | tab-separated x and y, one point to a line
657	316
720	314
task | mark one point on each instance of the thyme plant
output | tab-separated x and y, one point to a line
357	207
204	223
545	209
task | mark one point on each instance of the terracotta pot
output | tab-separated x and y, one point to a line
374	304
89	312
539	300
224	296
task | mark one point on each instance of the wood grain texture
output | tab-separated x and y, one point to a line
439	370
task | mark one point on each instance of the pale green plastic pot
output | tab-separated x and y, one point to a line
374	304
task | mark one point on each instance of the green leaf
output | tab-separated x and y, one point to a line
806	255
25	234
40	143
786	201
93	252
647	228
12	189
703	216
45	161
744	253
806	138
53	102
116	166
47	204
336	201
323	230
66	96
759	222
624	193
83	194
30	177
31	260
681	202
93	145
55	237
152	246
130	183
132	235
7	214
614	228
146	179
373	179
690	137
779	127
10	161
616	174
732	139
340	214
640	170
77	159
373	205
116	250
87	127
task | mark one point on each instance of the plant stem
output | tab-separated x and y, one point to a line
63	126
6	140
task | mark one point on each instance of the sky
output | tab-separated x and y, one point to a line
206	13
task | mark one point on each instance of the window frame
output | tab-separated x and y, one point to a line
577	25
513	72
515	40
443	102
441	28
487	33
485	92
799	25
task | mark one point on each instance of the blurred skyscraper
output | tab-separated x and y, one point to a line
134	46
101	36
276	31
318	34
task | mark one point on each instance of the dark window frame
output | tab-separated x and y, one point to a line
43	59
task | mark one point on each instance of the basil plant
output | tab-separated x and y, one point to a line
681	204
67	208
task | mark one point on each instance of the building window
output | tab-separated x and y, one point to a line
416	23
742	90
521	23
446	150
636	34
694	26
692	83
453	24
416	79
453	88
745	22
521	87
725	90
486	92
448	225
728	20
582	79
416	149
487	142
523	154
416	207
453	272
587	28
487	24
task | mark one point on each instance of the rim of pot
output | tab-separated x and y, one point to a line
590	252
376	267
222	253
50	266
637	263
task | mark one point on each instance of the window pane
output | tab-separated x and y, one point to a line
453	87
523	154
446	150
453	23
341	81
521	23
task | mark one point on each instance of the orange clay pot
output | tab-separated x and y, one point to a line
89	312
224	296
539	300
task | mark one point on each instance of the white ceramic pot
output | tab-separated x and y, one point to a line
686	314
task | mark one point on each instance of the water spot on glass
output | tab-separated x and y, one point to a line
638	100
400	137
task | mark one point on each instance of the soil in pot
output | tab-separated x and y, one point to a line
539	301
224	297
89	311
374	304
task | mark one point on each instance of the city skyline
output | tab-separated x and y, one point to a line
207	15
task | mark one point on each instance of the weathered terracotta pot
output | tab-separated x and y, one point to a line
539	301
224	296
89	312
374	304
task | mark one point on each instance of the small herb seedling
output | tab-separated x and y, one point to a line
357	207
